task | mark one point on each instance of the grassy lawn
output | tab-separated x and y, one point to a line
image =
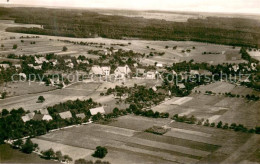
9	155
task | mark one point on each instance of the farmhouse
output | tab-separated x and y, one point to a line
54	62
65	115
205	72
67	60
81	115
94	111
235	68
42	117
181	86
194	72
28	117
82	62
44	111
70	65
151	75
107	52
39	67
102	71
40	60
159	65
122	72
233	55
5	66
17	66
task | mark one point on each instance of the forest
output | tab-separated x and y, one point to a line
87	24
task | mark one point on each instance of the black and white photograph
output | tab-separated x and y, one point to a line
129	82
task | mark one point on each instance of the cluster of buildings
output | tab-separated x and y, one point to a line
43	114
120	72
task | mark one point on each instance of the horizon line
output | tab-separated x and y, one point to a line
125	9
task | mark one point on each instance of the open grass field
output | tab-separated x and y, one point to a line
218	107
29	101
9	155
225	87
127	142
22	88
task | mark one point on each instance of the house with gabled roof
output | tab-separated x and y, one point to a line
42	117
65	115
17	66
181	85
102	71
5	66
40	60
194	72
205	72
81	115
44	111
97	110
28	116
151	75
122	71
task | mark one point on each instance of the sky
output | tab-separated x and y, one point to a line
226	6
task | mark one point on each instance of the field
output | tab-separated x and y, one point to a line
255	54
9	155
23	88
216	108
127	142
29	102
44	45
28	94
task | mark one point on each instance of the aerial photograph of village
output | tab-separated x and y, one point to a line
130	82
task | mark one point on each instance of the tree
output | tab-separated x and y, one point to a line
100	152
225	126
4	94
28	147
116	111
5	112
97	117
48	154
15	46
64	48
41	99
67	158
18	143
219	124
58	155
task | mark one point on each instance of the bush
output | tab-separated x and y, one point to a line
28	147
219	124
64	48
3	95
225	126
41	99
212	124
100	152
48	154
5	112
18	143
15	46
